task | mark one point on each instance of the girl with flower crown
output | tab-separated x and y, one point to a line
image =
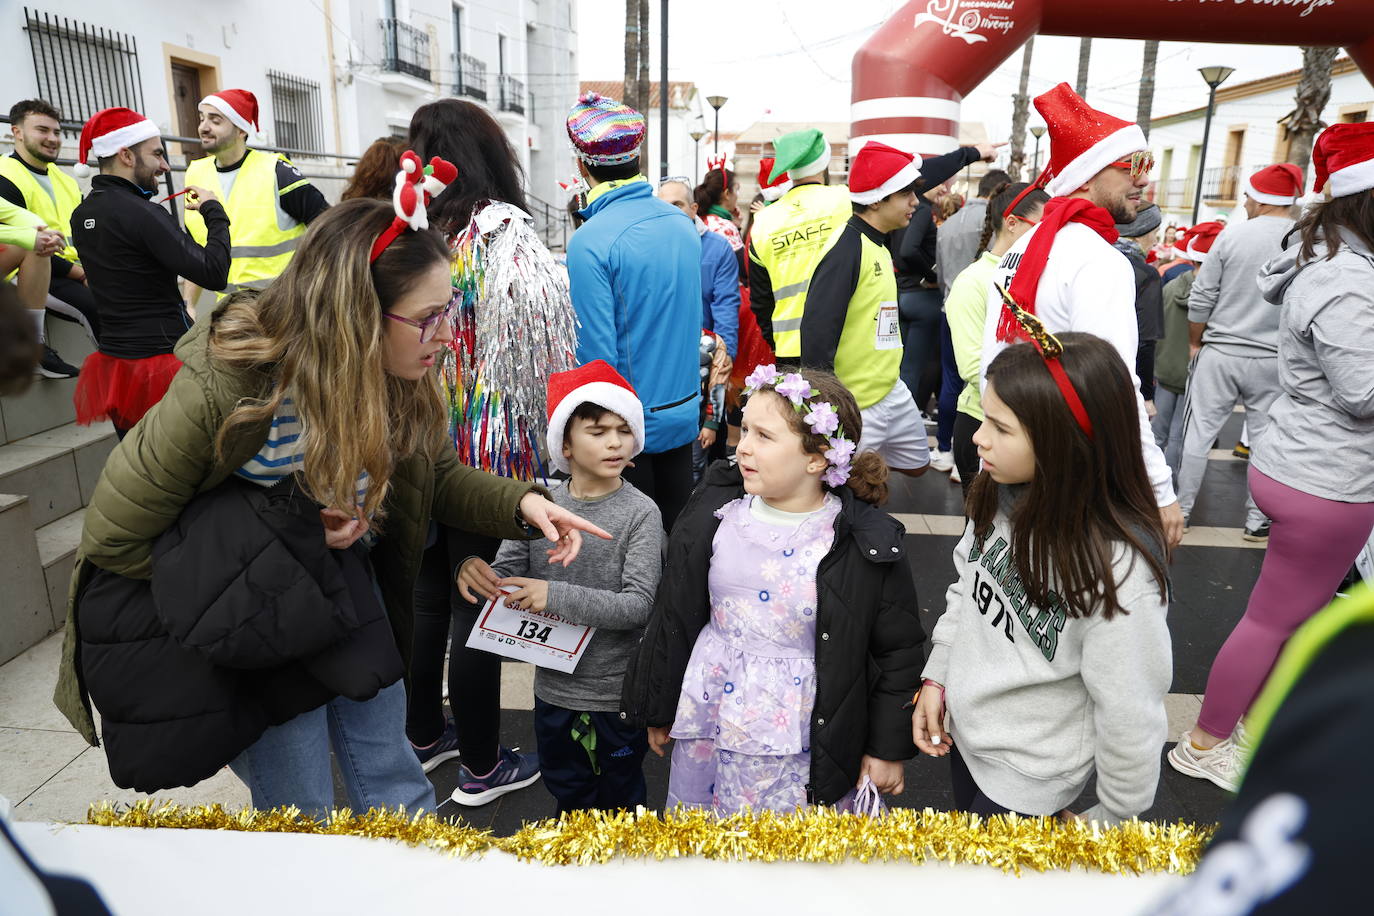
784	641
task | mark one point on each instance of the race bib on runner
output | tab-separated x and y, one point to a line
541	638
889	329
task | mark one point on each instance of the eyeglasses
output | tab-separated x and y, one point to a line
430	326
1141	162
680	179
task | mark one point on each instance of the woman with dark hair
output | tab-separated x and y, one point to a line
1312	468
375	174
717	197
515	327
966	310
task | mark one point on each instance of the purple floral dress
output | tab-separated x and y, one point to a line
743	723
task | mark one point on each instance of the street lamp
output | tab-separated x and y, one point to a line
1213	77
716	101
1037	132
696	136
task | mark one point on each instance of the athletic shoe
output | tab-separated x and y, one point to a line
54	366
1221	765
1241	450
929	419
954	475
512	771
1259	533
942	461
445	748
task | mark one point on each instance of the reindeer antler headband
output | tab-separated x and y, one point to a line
1051	349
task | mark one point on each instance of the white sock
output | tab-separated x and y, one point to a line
38	316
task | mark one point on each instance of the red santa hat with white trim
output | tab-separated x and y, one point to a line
596	383
880	170
1201	238
109	131
1344	155
771	185
1083	140
1279	185
238	105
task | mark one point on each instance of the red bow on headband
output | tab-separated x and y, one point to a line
1050	349
416	186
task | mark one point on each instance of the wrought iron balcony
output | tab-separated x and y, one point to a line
472	78
405	49
512	94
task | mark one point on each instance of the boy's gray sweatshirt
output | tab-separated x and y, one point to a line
1226	294
609	586
1320	435
1039	700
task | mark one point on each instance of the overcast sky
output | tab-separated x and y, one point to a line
796	65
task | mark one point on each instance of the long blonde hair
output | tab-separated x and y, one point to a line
318	331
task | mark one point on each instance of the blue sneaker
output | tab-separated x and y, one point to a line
445	748
512	771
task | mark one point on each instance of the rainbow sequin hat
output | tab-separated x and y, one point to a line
604	131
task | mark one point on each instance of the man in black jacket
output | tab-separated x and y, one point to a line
133	253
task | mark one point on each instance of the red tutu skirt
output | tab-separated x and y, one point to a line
121	390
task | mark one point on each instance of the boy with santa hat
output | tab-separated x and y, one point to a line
850	325
1234	333
133	252
268	200
1065	270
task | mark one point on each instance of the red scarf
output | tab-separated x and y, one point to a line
1058	212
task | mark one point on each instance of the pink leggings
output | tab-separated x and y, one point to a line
1312	543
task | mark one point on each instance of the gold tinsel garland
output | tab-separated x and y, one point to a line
818	835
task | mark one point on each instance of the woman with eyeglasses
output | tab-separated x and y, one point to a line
314	401
515	326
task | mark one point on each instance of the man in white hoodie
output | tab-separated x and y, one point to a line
1072	278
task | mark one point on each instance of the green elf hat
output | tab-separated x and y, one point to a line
801	154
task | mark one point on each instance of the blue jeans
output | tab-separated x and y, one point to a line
951	386
289	764
1168	426
919	314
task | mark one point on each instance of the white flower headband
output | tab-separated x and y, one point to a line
821	417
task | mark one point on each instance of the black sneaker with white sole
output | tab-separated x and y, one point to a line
1260	533
54	366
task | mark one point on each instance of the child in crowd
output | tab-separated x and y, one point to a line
1053	657
590	758
784	640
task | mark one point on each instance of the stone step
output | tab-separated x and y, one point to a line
57	543
48	402
56	469
26	611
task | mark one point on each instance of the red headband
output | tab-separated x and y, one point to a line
1040	181
1050	349
717	161
416	186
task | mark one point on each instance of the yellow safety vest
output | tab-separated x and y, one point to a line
788	238
868	359
258	244
55	214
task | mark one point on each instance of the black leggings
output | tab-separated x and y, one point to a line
474	676
967	796
666	478
965	452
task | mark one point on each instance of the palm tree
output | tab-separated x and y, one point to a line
1146	100
1020	112
1314	91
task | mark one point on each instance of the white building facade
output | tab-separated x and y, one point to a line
1246	136
330	77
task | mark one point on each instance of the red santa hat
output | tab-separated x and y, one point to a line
1280	185
880	170
1344	153
1200	239
109	131
1083	140
595	383
772	186
238	105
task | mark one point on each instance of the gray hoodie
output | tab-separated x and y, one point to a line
1226	295
1320	436
1039	700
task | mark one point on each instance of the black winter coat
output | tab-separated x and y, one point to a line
868	636
249	620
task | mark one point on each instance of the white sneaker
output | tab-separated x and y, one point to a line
941	461
954	475
1221	765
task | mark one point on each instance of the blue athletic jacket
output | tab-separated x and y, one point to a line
635	271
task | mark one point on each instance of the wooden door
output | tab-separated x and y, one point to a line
186	91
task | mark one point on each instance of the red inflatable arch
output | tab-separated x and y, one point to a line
911	75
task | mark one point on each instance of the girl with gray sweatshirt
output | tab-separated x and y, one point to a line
1052	658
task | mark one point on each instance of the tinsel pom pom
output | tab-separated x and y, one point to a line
819	835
